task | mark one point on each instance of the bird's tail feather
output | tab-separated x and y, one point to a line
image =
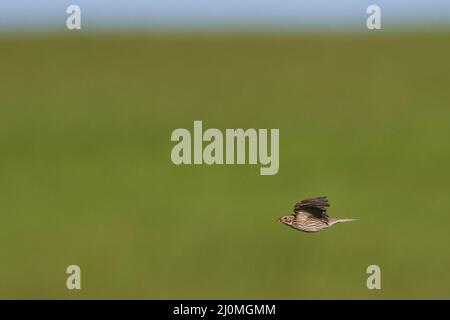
337	220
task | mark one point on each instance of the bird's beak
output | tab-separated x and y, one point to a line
279	220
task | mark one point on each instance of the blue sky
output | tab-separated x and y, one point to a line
181	13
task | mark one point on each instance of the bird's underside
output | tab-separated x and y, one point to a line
310	215
305	221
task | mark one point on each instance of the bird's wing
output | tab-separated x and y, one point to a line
314	206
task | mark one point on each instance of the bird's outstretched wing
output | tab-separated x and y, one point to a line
315	206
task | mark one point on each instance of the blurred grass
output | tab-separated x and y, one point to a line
86	176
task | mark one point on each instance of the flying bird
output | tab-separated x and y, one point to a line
310	215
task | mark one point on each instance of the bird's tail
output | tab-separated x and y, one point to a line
337	220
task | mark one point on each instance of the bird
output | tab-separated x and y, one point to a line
310	215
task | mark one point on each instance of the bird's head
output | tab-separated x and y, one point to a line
286	219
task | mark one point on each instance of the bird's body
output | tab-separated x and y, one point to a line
310	215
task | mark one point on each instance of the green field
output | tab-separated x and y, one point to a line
86	176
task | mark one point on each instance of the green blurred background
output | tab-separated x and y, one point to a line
86	176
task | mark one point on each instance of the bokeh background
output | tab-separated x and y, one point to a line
86	176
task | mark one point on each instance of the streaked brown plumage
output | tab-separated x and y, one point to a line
310	215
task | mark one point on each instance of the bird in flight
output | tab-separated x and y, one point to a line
310	215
